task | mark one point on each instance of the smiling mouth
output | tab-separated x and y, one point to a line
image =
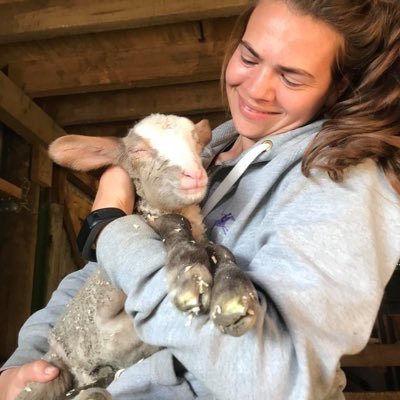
254	113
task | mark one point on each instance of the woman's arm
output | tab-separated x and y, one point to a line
320	278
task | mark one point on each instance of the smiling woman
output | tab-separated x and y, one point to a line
319	59
313	89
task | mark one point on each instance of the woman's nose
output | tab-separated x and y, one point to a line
261	86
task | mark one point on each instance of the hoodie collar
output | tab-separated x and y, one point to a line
226	134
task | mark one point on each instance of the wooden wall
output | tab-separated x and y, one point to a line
38	229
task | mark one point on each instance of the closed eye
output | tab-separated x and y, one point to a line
247	61
291	83
139	152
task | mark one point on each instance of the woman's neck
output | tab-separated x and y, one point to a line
239	146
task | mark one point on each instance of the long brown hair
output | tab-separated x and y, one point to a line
364	122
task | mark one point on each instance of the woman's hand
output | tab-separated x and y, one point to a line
13	380
115	190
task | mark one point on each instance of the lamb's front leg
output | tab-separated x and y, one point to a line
188	275
234	300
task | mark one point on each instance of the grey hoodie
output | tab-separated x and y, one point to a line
320	254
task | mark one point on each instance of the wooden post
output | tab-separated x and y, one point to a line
17	260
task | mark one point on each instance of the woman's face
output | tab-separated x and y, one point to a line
279	77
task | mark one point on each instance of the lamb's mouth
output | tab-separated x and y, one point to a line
198	192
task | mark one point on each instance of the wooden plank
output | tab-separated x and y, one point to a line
120	128
78	206
60	257
375	355
134	103
41	166
57	194
71	232
17	259
88	184
395	321
200	61
10	189
56	232
372	396
25	117
117	128
156	37
32	19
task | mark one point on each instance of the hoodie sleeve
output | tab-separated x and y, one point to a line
134	257
32	339
320	277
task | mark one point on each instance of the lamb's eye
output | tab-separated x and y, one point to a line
138	152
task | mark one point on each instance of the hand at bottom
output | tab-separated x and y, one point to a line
13	380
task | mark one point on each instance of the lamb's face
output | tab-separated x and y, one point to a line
164	154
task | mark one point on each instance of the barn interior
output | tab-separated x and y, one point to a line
95	68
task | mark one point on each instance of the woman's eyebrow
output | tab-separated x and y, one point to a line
288	70
249	48
296	71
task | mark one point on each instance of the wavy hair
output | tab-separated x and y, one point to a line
364	121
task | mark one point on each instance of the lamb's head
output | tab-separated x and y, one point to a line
161	153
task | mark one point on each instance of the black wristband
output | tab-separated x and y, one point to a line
91	228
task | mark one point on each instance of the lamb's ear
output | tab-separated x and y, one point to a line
85	153
203	131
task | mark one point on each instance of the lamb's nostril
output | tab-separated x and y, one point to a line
193	178
193	174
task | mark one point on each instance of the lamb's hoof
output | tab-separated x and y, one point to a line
234	303
236	316
191	291
93	394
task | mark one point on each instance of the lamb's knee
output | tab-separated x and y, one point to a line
220	255
169	226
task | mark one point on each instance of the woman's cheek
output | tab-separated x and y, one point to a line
234	71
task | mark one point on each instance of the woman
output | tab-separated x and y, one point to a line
314	220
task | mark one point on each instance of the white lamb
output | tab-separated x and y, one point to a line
95	338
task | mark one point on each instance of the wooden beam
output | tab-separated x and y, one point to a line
86	183
79	205
134	103
71	236
374	355
120	128
200	61
18	232
31	19
113	42
106	129
60	261
25	117
10	189
372	395
41	166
